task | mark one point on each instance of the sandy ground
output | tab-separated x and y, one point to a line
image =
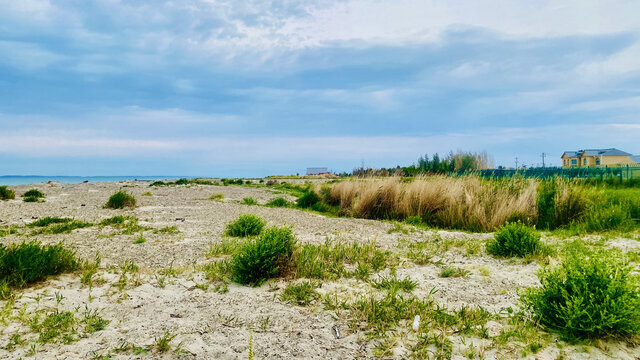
212	325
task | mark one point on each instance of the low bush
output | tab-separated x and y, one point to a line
33	193
589	295
182	182
30	199
515	239
249	201
120	200
245	225
263	258
6	193
280	202
28	262
308	199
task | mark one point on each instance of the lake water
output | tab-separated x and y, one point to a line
24	180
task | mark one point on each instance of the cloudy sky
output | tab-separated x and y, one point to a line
251	88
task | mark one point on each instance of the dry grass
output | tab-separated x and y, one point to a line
464	203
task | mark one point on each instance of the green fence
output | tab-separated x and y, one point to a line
622	173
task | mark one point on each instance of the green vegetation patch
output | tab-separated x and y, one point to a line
263	258
56	225
334	260
515	239
302	294
28	262
591	294
308	199
279	202
128	225
245	225
120	200
34	193
249	201
6	193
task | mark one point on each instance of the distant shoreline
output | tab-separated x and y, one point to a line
39	179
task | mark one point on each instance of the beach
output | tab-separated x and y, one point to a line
167	293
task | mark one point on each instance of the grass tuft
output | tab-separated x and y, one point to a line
279	202
28	262
120	200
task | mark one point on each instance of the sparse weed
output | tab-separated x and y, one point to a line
249	201
218	197
328	261
394	284
451	271
302	294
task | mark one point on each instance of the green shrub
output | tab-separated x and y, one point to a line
120	200
30	199
158	183
28	262
182	182
249	201
589	295
245	225
33	193
515	239
6	193
262	258
308	199
280	202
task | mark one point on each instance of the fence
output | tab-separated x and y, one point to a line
622	173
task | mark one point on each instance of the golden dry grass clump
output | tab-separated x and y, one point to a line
465	202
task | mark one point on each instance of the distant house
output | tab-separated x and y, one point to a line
317	171
598	158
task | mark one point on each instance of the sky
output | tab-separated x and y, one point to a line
254	88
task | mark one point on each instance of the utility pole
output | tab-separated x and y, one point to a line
516	163
543	155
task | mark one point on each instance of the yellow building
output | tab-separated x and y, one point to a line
597	158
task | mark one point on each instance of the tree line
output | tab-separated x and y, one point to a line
459	161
